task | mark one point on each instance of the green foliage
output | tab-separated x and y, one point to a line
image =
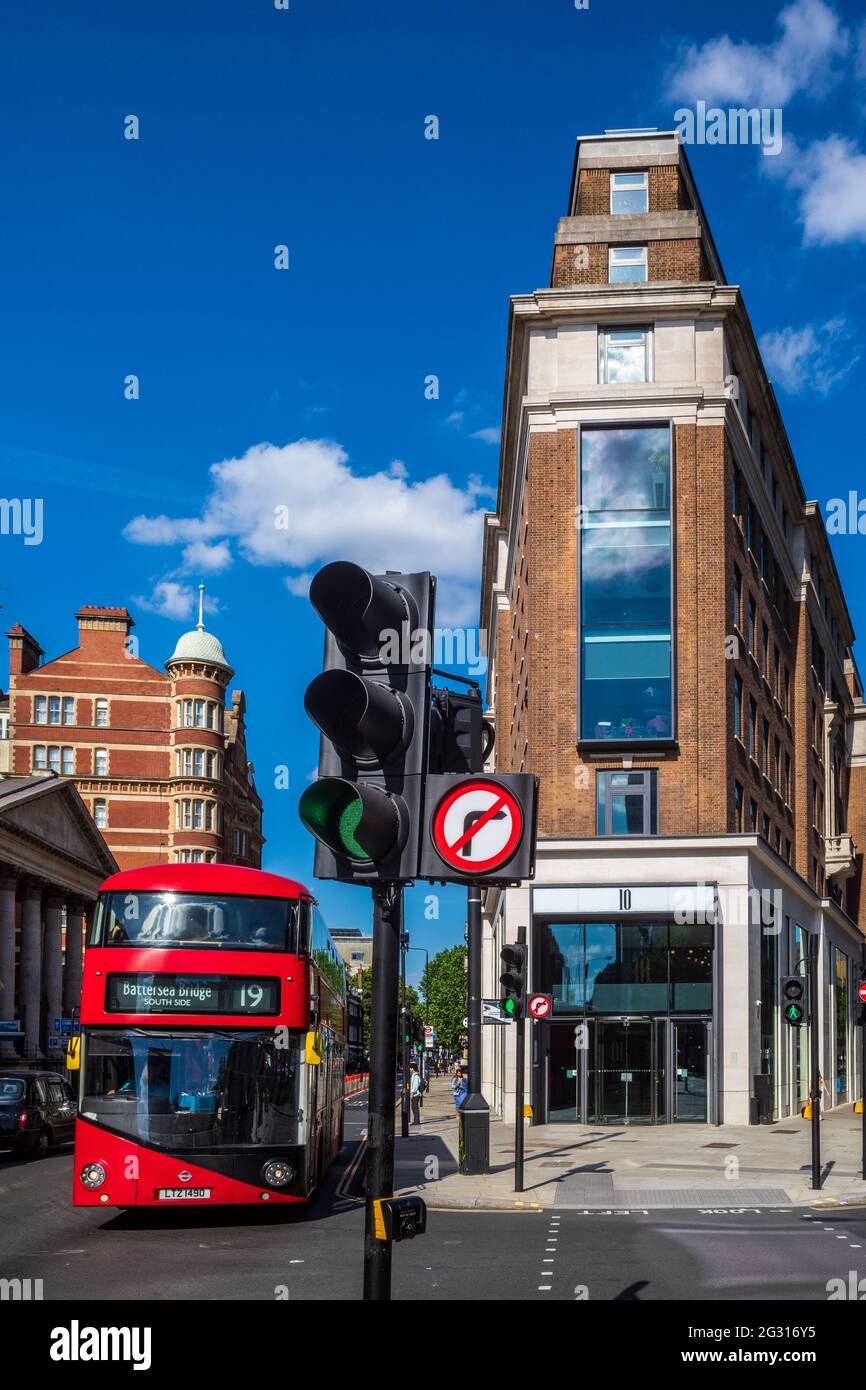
413	1003
445	991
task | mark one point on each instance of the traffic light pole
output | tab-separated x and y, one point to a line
815	1061
520	1063
404	1045
863	1070
387	925
475	1112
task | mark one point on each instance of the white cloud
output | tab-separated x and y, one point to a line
381	520
800	59
207	559
169	599
830	179
489	435
816	357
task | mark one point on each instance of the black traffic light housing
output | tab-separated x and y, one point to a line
794	1000
371	703
418	1034
512	980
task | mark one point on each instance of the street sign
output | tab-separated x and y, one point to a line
479	828
861	991
491	1012
63	1025
10	1025
540	1005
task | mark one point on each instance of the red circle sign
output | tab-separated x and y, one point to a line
539	1006
477	827
861	990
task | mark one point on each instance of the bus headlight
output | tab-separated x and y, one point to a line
278	1173
92	1175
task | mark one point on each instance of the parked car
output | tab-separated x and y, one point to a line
37	1110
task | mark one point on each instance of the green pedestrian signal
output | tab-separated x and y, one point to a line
794	1000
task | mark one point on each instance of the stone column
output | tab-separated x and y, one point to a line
52	961
30	992
76	923
7	958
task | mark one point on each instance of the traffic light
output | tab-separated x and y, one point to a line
794	1000
371	703
512	962
418	1035
460	738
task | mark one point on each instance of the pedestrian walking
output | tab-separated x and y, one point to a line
459	1089
415	1093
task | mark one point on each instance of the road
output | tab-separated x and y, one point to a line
250	1253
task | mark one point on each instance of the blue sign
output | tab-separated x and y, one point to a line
10	1025
63	1025
57	1042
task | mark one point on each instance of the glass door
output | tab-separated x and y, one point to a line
625	1071
690	1071
563	1064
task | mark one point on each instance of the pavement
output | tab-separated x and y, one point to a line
631	1167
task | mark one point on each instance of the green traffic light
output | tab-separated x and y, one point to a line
509	1005
332	810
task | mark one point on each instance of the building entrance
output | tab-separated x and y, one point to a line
629	1070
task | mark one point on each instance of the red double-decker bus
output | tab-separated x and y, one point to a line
213	1040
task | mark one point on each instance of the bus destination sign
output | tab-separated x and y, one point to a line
191	994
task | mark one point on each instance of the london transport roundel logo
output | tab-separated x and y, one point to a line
477	827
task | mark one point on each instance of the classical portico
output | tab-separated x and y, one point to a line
52	861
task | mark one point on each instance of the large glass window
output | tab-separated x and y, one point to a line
626	967
624	355
195	1090
627	803
841	1026
626	686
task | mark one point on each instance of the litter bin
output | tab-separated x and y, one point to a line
763	1087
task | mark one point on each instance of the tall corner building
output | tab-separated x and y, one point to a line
670	651
159	757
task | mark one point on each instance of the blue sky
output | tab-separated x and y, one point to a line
305	128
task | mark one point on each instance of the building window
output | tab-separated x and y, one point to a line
738	806
40	710
197	815
101	714
198	763
787	782
626	265
213	716
100	814
624	355
212	765
625	590
53	757
765	747
68	710
54	709
753	814
627	803
753	729
187	714
67	759
240	843
750	628
629	193
100	762
738	707
40	757
738	596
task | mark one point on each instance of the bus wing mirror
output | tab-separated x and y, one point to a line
313	1049
73	1054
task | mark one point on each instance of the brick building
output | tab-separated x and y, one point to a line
670	650
158	757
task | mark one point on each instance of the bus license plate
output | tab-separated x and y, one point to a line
171	1194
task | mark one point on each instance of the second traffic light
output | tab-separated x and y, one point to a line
371	704
794	1009
512	980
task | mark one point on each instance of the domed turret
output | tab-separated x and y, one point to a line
198	645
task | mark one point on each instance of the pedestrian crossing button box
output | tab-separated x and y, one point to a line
400	1218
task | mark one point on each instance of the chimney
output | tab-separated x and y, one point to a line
92	618
24	651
